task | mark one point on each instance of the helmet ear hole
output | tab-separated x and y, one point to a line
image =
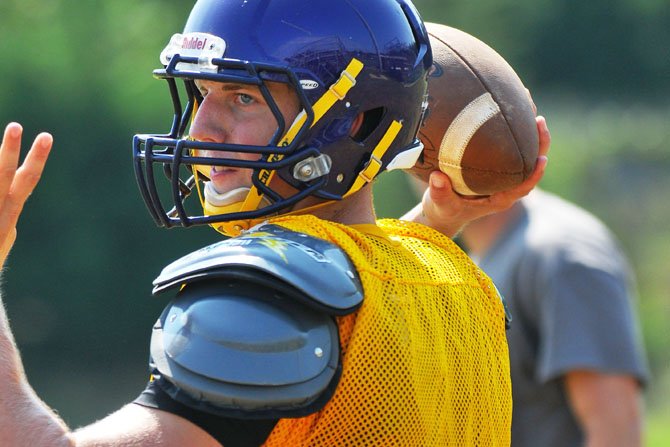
371	119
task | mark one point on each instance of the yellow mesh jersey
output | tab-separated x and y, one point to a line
425	359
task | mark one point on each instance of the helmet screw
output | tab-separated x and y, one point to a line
318	352
306	171
340	178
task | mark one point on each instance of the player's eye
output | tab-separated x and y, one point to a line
245	99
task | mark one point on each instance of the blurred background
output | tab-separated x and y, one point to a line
77	286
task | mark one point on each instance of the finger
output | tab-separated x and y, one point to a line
531	182
25	180
544	135
503	200
439	180
6	245
532	103
31	170
9	156
447	203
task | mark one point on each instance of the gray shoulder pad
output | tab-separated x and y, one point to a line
241	349
321	271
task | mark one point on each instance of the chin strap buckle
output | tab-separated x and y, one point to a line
312	167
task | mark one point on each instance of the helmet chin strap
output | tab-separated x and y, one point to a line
216	199
235	228
214	203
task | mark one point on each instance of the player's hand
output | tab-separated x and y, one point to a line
16	183
447	211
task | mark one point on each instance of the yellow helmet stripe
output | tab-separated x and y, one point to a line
373	166
335	92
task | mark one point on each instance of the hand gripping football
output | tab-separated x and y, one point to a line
480	129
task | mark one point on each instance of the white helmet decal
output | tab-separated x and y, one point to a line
201	45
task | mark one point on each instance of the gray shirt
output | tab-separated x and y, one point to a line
570	291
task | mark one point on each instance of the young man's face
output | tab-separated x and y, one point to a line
238	114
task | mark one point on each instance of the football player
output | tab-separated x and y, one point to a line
315	323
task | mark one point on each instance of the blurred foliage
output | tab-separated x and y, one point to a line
78	284
596	49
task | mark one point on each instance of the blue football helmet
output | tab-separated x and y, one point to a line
342	57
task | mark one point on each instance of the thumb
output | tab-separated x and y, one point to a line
440	187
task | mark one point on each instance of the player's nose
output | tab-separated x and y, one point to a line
208	123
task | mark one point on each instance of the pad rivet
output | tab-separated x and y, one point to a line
318	352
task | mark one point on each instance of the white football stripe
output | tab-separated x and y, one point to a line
458	135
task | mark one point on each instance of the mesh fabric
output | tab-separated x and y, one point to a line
425	360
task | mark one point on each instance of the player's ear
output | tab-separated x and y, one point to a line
356	125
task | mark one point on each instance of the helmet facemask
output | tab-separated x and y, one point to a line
184	164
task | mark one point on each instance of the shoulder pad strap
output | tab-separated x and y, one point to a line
319	271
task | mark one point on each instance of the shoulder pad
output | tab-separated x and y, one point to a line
319	270
244	350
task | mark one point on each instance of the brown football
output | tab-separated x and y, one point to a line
480	129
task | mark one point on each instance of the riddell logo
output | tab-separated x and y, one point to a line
193	43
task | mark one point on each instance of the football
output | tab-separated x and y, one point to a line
480	126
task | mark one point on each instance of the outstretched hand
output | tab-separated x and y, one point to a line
18	182
446	211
